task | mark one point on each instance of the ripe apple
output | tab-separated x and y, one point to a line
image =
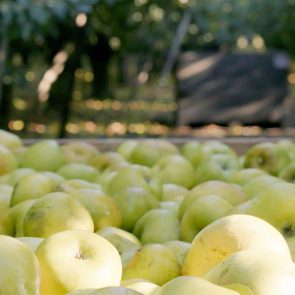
5	195
8	160
188	285
55	212
263	272
288	173
231	234
142	286
78	171
125	242
228	191
148	152
16	175
31	186
173	192
10	140
241	177
79	151
54	178
19	268
72	184
153	262
126	147
44	155
77	259
108	160
31	242
175	169
105	291
102	208
157	226
179	248
190	150
133	203
202	211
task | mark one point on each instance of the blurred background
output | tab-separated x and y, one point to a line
124	68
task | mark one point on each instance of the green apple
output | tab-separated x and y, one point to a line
79	151
153	262
104	178
241	177
31	242
5	195
105	291
31	186
55	179
8	160
126	147
217	166
276	205
270	156
171	206
288	173
157	226
203	211
133	203
78	171
188	285
44	155
19	268
240	288
173	192
263	272
142	286
231	234
228	191
77	259
72	184
108	160
291	245
125	242
55	212
179	248
10	140
17	174
149	151
190	150
102	208
175	169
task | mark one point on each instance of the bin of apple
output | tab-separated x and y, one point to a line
146	217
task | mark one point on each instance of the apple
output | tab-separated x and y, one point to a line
153	262
202	211
16	175
228	191
79	151
125	242
54	178
190	150
149	151
157	226
31	186
173	192
175	169
77	259
217	166
179	248
5	195
105	291
241	177
231	234
78	171
102	208
133	203
31	242
170	206
263	272
288	173
19	268
72	184
105	177
240	288
8	160
55	212
13	219
126	147
108	160
188	285
142	286
44	155
10	140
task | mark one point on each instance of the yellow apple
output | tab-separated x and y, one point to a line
31	242
8	160
105	291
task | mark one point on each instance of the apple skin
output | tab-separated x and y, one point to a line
70	185
188	285
16	175
102	208
175	169
126	147
106	291
241	177
31	186
77	259
107	161
55	212
173	192
20	269
153	262
190	150
157	226
144	287
231	234
263	272
133	203
5	195
179	248
203	211
228	191
10	140
125	242
78	151
78	171
31	242
288	173
44	155
8	160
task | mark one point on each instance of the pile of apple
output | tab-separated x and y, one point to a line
147	217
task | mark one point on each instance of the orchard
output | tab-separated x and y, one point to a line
147	216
